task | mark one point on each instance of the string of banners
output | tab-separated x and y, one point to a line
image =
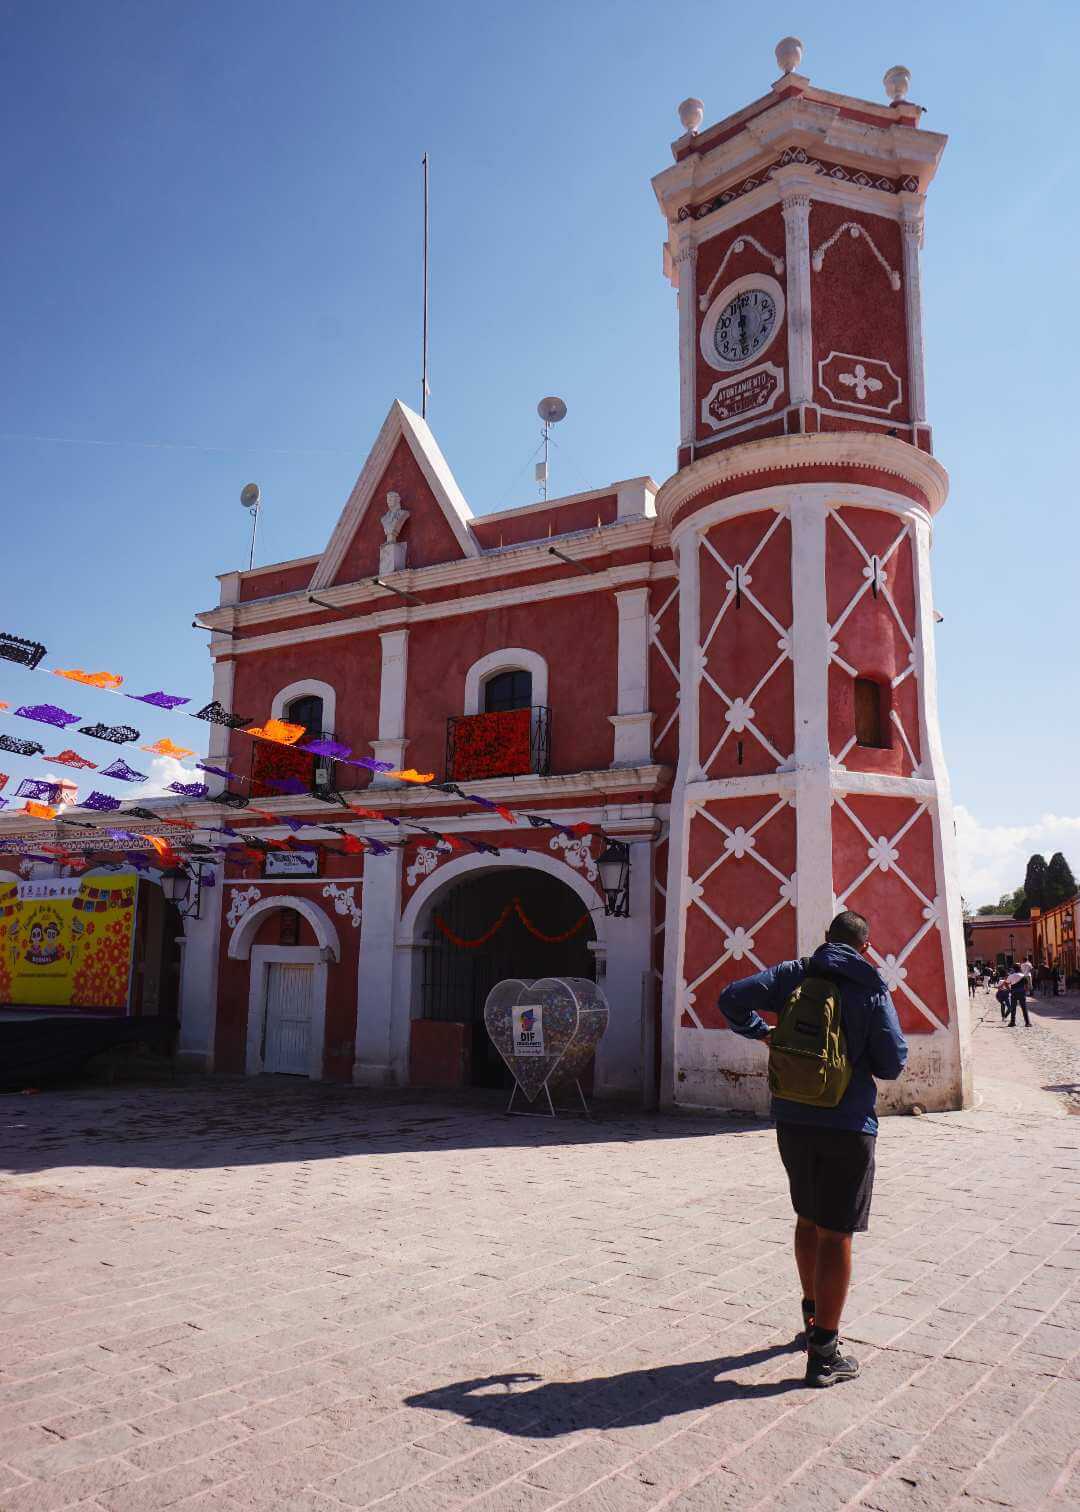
45	799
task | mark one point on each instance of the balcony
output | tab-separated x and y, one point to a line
278	771
511	743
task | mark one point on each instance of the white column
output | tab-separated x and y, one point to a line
632	719
687	550
621	1064
911	224
813	797
686	274
796	208
199	978
946	863
391	743
378	1061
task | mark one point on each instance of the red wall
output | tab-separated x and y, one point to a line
854	307
578	637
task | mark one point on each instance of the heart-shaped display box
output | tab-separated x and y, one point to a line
545	1030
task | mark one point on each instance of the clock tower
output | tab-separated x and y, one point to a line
810	775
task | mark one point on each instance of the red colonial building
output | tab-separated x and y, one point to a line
732	673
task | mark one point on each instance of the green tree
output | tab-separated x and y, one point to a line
1035	885
1008	903
1060	882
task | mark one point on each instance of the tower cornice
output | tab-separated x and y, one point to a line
786	459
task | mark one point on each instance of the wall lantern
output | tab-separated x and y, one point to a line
613	864
176	888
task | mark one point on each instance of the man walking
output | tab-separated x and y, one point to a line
1016	983
828	1152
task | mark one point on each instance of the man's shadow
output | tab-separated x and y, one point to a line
554	1408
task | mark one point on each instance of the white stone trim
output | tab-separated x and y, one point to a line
240	941
795	203
824	449
393	682
307	687
507	659
911	225
810	654
217	747
632	719
686	280
706	343
572	586
635	499
400	422
263	956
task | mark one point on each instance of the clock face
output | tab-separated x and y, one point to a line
745	326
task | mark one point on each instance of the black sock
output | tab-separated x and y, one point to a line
824	1339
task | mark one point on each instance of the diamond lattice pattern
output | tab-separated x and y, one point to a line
872	633
883	867
746	676
664	670
741	914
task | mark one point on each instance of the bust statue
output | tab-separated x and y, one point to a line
395	519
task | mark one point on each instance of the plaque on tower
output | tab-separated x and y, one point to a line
742	394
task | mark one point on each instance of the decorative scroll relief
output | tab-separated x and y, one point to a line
743	394
867	383
817	261
738	246
426	860
576	853
344	901
242	899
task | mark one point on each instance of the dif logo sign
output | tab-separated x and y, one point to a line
528	1029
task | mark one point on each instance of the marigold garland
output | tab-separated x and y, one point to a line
514	906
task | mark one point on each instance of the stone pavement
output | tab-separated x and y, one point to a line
224	1295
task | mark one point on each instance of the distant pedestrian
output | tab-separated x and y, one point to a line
973	981
837	1030
1028	968
1016	982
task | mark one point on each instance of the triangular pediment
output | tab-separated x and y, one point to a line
405	460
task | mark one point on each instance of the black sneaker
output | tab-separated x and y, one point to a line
827	1368
803	1339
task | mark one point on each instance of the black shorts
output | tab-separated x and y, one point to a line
831	1175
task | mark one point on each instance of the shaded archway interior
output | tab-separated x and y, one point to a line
456	981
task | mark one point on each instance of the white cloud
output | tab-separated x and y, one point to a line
163	770
993	857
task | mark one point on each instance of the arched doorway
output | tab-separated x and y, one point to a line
481	929
290	943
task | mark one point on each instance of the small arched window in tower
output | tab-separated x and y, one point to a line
508	690
307	711
871	717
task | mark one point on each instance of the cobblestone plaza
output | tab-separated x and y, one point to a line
225	1295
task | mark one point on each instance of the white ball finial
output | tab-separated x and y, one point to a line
691	114
897	82
789	51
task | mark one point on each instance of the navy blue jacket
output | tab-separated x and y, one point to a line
875	1042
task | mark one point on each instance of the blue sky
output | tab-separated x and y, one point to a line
211	273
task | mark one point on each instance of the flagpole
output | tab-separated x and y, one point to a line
424	364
